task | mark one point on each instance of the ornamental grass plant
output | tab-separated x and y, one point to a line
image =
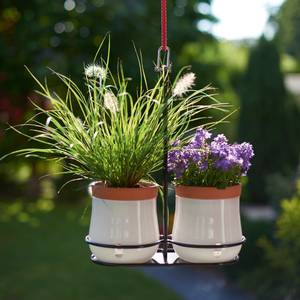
105	133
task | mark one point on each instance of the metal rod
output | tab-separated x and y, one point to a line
165	167
163	66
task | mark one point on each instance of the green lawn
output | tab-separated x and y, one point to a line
48	259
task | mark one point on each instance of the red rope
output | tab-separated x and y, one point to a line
164	25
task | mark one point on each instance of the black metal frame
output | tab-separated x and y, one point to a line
165	255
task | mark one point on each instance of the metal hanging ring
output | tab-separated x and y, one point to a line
160	65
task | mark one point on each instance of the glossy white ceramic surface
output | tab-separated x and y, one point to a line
124	223
207	222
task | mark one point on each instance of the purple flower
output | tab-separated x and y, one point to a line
203	158
199	138
244	152
180	169
228	162
221	139
191	155
222	164
219	147
203	166
177	163
180	160
228	156
173	158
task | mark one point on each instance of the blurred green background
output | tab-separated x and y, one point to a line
41	249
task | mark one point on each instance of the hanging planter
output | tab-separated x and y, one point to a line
207	227
106	135
109	137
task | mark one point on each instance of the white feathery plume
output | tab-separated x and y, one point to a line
48	121
111	102
95	71
184	84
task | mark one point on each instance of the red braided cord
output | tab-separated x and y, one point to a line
164	25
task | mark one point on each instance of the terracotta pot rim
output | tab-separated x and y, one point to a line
203	193
145	191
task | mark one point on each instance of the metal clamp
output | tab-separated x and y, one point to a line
160	66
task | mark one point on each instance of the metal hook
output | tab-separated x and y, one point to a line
159	67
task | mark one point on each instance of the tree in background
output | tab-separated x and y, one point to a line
277	276
288	35
64	34
269	119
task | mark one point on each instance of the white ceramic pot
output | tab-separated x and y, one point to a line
207	216
124	216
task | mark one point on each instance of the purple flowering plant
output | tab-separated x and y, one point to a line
209	161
